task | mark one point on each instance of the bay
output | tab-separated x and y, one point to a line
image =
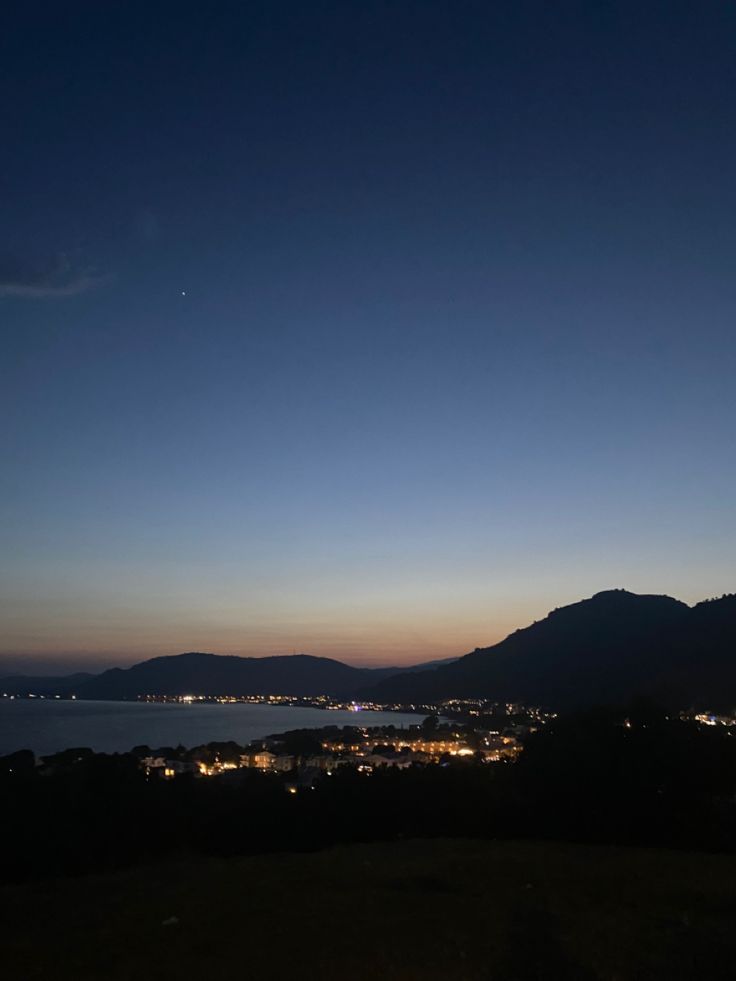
51	725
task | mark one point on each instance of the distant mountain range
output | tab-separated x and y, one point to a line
611	648
22	684
213	674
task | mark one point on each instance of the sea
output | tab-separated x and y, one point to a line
50	725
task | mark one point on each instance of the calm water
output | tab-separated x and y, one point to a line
50	725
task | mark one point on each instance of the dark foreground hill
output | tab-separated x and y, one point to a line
612	648
405	911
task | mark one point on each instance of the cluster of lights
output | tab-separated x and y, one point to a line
709	719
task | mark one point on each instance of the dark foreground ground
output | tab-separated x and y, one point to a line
413	910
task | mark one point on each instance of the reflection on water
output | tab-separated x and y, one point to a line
50	725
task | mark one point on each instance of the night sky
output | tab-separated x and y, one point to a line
372	330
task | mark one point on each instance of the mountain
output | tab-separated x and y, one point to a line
48	686
611	648
213	674
425	665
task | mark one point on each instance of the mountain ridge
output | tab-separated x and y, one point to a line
204	673
613	646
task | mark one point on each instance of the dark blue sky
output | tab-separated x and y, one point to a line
365	329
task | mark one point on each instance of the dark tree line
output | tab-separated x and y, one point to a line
638	778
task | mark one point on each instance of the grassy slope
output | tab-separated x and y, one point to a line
414	910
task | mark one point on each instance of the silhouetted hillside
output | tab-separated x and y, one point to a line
608	649
48	686
611	648
426	666
212	674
